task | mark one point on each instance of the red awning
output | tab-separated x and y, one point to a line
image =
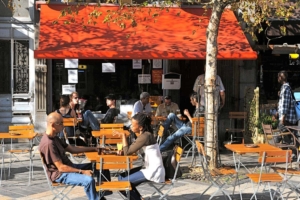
177	33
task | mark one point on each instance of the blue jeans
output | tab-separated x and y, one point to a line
82	180
182	130
77	179
88	119
135	177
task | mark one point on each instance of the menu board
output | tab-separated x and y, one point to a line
157	76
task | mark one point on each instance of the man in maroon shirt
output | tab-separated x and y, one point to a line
59	167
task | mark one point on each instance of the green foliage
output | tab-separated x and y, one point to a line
266	119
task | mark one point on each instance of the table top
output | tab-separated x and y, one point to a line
242	149
18	135
109	132
94	157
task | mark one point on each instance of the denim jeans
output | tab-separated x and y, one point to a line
77	179
182	130
88	119
136	177
88	182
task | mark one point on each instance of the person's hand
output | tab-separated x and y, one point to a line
186	112
120	152
87	172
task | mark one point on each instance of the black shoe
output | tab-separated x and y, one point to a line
102	198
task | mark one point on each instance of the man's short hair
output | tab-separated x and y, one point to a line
168	97
144	95
111	97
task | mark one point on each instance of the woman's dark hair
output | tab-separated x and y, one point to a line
64	100
194	95
143	121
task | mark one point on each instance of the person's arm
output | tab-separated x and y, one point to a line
68	169
187	113
158	111
74	149
137	107
195	88
222	95
134	147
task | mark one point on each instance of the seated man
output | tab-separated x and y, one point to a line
167	107
143	105
59	168
112	112
182	127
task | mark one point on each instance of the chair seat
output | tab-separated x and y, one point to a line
289	171
222	171
19	150
54	184
113	186
270	177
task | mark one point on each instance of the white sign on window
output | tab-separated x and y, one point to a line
157	63
71	63
137	64
68	89
72	76
144	78
108	67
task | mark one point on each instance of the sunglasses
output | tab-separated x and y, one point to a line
60	124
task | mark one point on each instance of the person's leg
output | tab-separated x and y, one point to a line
135	177
170	119
178	134
77	179
89	119
105	175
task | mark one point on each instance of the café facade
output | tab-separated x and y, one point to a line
163	41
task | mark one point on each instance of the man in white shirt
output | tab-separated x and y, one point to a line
199	88
143	105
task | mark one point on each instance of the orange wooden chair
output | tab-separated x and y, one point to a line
16	129
265	177
213	175
114	163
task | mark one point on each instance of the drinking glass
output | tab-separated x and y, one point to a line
119	146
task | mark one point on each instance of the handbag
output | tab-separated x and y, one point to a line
170	164
297	105
297	109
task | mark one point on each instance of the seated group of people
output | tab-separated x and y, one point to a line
61	169
71	108
168	109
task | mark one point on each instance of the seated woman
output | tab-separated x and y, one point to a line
66	112
154	169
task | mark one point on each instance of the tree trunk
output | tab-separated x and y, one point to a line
211	91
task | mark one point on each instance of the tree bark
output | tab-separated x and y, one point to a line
211	91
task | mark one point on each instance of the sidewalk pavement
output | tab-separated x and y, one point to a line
16	186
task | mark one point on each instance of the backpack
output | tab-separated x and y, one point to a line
170	163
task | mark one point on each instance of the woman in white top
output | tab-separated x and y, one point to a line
153	170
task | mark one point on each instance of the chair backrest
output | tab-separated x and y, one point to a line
160	131
18	128
45	169
114	162
198	126
267	129
237	116
112	126
69	122
279	156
